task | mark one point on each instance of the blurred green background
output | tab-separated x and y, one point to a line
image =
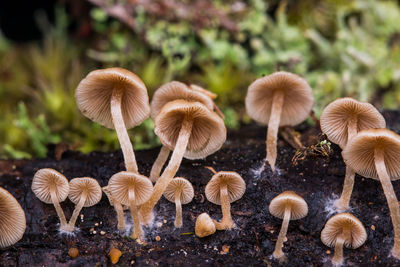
342	47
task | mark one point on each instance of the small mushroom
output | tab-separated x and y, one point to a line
374	153
51	187
279	99
12	219
287	206
224	188
341	120
131	189
204	225
119	208
83	192
180	191
343	229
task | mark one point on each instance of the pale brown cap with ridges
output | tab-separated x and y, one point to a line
235	184
47	179
298	98
12	219
200	89
182	185
208	132
359	152
85	184
335	225
299	207
93	97
111	200
204	225
335	118
120	184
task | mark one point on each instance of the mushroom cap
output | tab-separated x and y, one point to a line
359	152
111	200
335	118
204	225
12	219
235	184
183	187
174	91
344	221
90	186
93	97
208	132
121	182
48	179
299	207
298	98
200	89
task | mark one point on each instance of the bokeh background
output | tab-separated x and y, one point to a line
342	47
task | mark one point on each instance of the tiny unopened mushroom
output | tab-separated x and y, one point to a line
279	99
204	225
341	120
224	188
287	206
343	229
119	208
51	187
131	189
83	192
180	191
12	219
374	153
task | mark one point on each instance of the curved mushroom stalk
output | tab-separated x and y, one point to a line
60	212
117	207
278	252
137	230
178	205
342	203
159	163
169	172
226	221
77	210
337	258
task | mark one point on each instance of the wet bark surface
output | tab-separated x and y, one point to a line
317	176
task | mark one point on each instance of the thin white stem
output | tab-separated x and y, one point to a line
226	221
77	210
278	252
352	128
60	212
337	258
137	229
178	206
159	163
342	203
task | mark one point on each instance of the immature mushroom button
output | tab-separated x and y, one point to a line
180	191
224	188
287	206
279	99
374	153
51	187
83	192
12	219
343	229
204	225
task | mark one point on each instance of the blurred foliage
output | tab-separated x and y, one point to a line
342	48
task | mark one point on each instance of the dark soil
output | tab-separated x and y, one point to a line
318	178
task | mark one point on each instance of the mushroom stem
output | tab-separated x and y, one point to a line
120	215
159	163
226	221
169	172
337	258
178	205
122	133
60	212
273	126
137	230
278	252
352	128
77	210
342	203
390	197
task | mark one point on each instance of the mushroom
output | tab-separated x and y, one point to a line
51	187
287	206
279	99
83	192
131	189
341	120
12	219
374	153
204	225
119	208
343	229
180	191
224	188
192	131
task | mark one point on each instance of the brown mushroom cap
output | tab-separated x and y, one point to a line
299	207
297	103
78	186
93	97
182	185
46	180
335	226
204	225
12	219
200	89
174	91
359	152
234	182
335	118
208	131
120	184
